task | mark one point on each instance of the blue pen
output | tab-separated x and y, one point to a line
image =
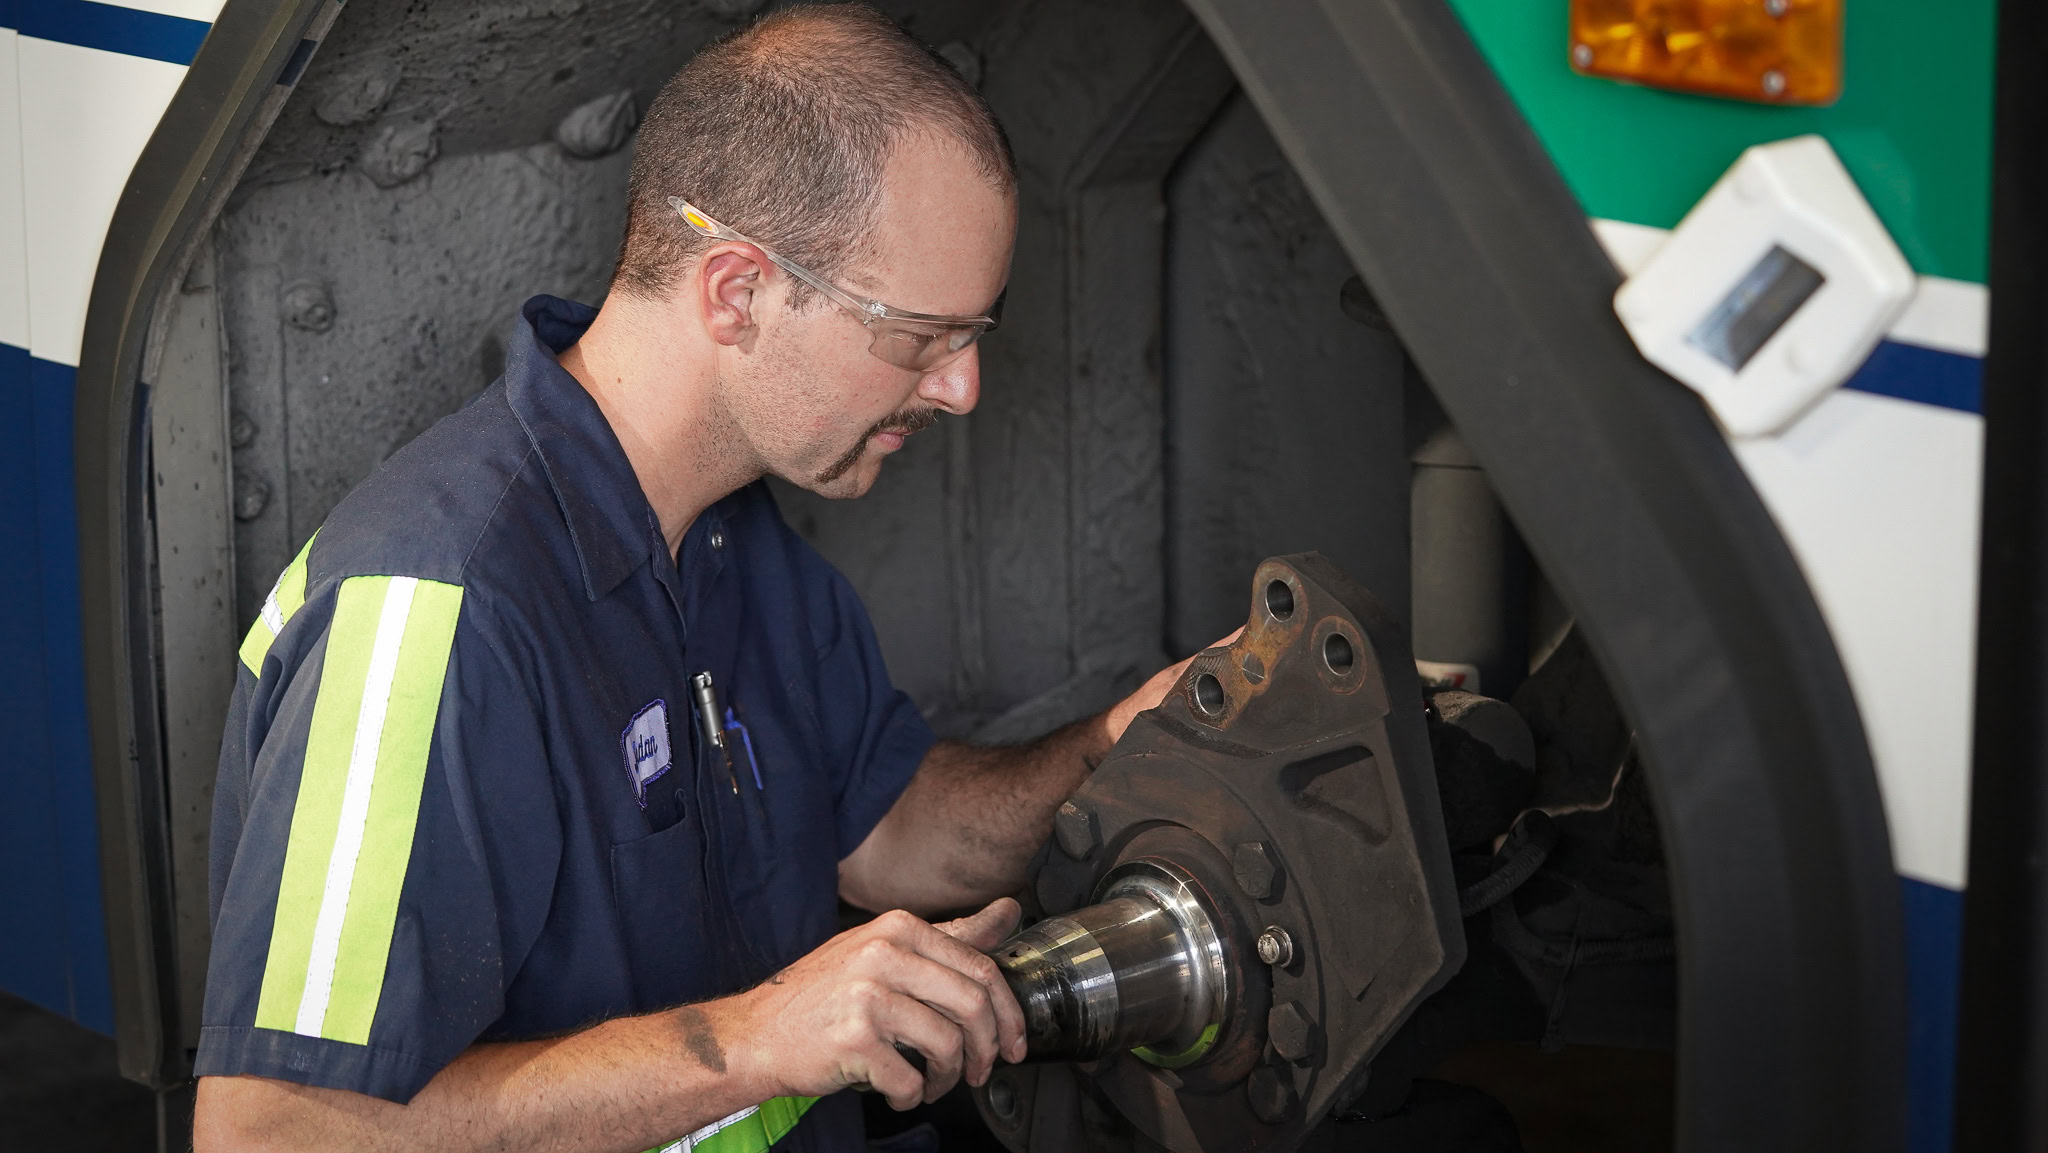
732	722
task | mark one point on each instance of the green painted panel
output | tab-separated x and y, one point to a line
1913	124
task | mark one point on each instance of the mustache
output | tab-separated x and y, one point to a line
915	420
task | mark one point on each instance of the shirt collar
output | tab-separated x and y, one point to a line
601	499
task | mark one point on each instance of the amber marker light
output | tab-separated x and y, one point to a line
1769	51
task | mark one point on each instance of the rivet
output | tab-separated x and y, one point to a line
1774	83
251	497
400	150
309	306
1582	55
598	128
355	94
717	539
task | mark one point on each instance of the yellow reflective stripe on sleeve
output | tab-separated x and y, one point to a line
751	1130
358	802
286	598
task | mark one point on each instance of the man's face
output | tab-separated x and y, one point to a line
818	408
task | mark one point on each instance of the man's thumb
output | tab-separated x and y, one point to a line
986	929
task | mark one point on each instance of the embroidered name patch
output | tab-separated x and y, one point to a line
645	745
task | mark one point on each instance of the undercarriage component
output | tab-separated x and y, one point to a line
1143	970
1244	902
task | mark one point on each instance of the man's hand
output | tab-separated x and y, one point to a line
968	824
834	1018
1149	694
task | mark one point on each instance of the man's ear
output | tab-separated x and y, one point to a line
728	281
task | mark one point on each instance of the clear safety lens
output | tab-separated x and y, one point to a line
922	348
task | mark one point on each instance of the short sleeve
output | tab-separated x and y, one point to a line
875	733
387	842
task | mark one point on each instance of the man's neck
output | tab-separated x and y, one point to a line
659	394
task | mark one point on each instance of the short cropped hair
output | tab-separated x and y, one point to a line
782	131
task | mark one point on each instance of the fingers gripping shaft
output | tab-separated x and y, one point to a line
1141	969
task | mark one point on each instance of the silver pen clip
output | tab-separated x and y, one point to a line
708	713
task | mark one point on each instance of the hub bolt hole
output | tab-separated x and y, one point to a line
1002	1099
1279	600
1337	653
1209	695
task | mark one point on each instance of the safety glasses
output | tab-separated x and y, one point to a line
917	341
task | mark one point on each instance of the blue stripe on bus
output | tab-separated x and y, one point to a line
1934	949
108	27
53	946
1926	375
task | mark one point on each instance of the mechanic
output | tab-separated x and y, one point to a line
554	748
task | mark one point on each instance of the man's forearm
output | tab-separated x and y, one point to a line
969	822
620	1087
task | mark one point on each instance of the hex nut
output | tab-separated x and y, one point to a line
1271	1093
1293	1035
309	306
1258	874
1077	829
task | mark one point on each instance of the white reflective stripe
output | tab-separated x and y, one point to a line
708	1131
355	805
273	617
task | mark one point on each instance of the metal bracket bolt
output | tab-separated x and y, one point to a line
1293	1035
1276	947
1077	830
1258	874
1271	1093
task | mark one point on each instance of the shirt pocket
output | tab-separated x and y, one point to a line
785	882
672	949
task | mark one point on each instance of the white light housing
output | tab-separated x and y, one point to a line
1772	290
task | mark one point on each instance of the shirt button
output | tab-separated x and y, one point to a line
717	539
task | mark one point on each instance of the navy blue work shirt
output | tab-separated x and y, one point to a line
465	794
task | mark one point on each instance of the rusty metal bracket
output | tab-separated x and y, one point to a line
1289	774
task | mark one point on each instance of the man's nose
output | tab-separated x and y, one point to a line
956	386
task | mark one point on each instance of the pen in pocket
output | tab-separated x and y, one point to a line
707	713
734	724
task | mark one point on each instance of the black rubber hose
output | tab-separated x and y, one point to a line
1526	847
